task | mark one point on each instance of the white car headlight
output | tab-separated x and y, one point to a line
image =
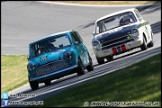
135	32
95	43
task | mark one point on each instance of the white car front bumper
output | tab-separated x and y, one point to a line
117	49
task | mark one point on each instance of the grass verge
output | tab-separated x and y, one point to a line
138	83
13	72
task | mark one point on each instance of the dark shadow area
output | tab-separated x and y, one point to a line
88	25
119	57
53	82
42	88
156	27
152	7
127	55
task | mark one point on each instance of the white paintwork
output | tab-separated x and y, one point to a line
99	53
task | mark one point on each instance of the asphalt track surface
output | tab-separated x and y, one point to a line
23	22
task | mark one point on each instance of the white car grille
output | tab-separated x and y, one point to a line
115	42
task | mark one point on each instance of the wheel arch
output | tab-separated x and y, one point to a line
145	37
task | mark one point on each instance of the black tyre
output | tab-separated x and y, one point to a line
90	66
33	84
80	69
151	44
109	58
144	45
47	83
100	60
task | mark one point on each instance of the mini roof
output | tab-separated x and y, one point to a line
54	34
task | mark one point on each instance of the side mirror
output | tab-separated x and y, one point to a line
93	33
76	43
28	58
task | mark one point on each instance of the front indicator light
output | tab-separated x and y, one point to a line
68	55
31	67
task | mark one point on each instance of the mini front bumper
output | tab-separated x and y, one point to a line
118	49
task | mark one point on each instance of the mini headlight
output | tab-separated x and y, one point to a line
95	43
31	67
68	55
135	32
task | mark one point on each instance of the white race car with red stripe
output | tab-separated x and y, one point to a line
119	32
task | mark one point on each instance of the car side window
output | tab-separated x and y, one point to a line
79	37
76	37
138	15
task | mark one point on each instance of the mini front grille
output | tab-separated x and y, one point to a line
51	67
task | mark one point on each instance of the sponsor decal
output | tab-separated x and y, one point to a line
123	47
119	49
114	50
143	24
43	58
